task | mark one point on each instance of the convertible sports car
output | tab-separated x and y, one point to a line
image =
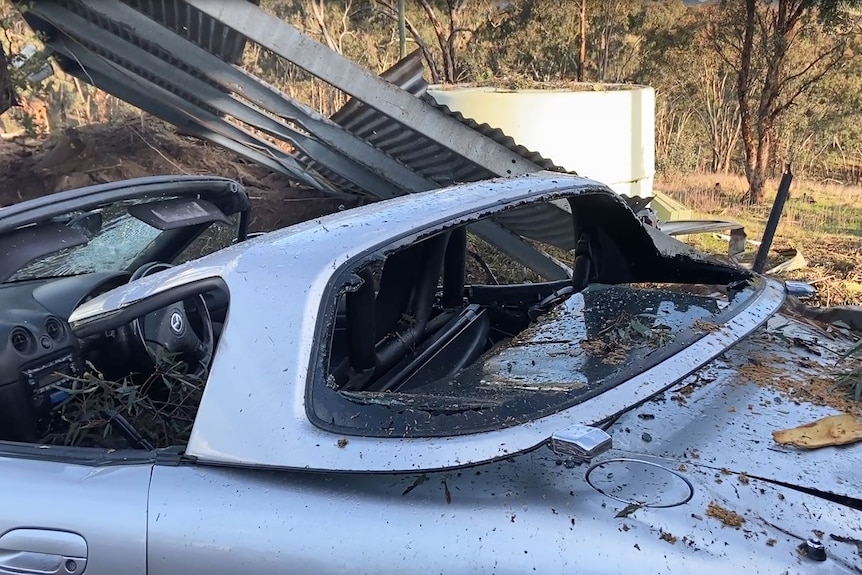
356	394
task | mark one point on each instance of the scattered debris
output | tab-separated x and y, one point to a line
771	542
743	478
801	387
628	509
849	316
670	538
726	516
157	411
342	443
851	540
609	352
687	389
706	326
828	431
612	344
419	481
852	378
447	493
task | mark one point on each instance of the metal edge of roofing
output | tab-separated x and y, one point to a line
407	74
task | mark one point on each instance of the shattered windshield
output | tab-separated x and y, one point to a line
113	238
113	247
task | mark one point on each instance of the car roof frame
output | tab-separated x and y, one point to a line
52	205
253	412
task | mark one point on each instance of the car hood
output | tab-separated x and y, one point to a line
722	418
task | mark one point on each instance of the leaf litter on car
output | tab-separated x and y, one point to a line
841	390
101	412
619	336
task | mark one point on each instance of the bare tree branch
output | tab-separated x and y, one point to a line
392	12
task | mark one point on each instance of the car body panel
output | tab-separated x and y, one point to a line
277	284
535	512
728	424
260	488
106	505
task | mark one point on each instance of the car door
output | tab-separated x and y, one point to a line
62	515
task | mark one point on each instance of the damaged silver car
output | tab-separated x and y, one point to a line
363	393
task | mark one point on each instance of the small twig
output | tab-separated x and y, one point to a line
156	150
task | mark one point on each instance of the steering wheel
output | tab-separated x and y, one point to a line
183	329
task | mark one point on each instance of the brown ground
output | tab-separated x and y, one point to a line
99	153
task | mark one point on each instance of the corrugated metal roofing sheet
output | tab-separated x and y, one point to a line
209	34
423	155
131	64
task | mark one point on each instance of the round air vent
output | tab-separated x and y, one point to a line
54	329
21	340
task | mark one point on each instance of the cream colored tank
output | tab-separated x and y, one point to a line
601	131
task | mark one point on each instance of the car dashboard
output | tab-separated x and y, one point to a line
39	347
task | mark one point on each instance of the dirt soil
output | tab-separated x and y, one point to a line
144	146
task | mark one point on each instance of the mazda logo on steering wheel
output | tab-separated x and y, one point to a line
177	323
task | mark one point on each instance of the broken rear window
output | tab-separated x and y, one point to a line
421	345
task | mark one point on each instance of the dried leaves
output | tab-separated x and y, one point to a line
726	516
160	408
803	387
612	344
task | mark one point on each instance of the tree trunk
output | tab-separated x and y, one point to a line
749	140
582	53
443	40
758	175
457	36
7	92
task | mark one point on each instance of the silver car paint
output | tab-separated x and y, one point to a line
731	424
528	513
105	506
253	408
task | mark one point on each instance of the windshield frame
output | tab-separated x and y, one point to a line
227	195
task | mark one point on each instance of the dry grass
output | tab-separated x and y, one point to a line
822	220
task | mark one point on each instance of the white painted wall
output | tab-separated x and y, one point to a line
604	134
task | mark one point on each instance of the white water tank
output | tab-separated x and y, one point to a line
601	131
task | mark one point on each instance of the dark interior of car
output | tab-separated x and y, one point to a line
418	321
40	349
